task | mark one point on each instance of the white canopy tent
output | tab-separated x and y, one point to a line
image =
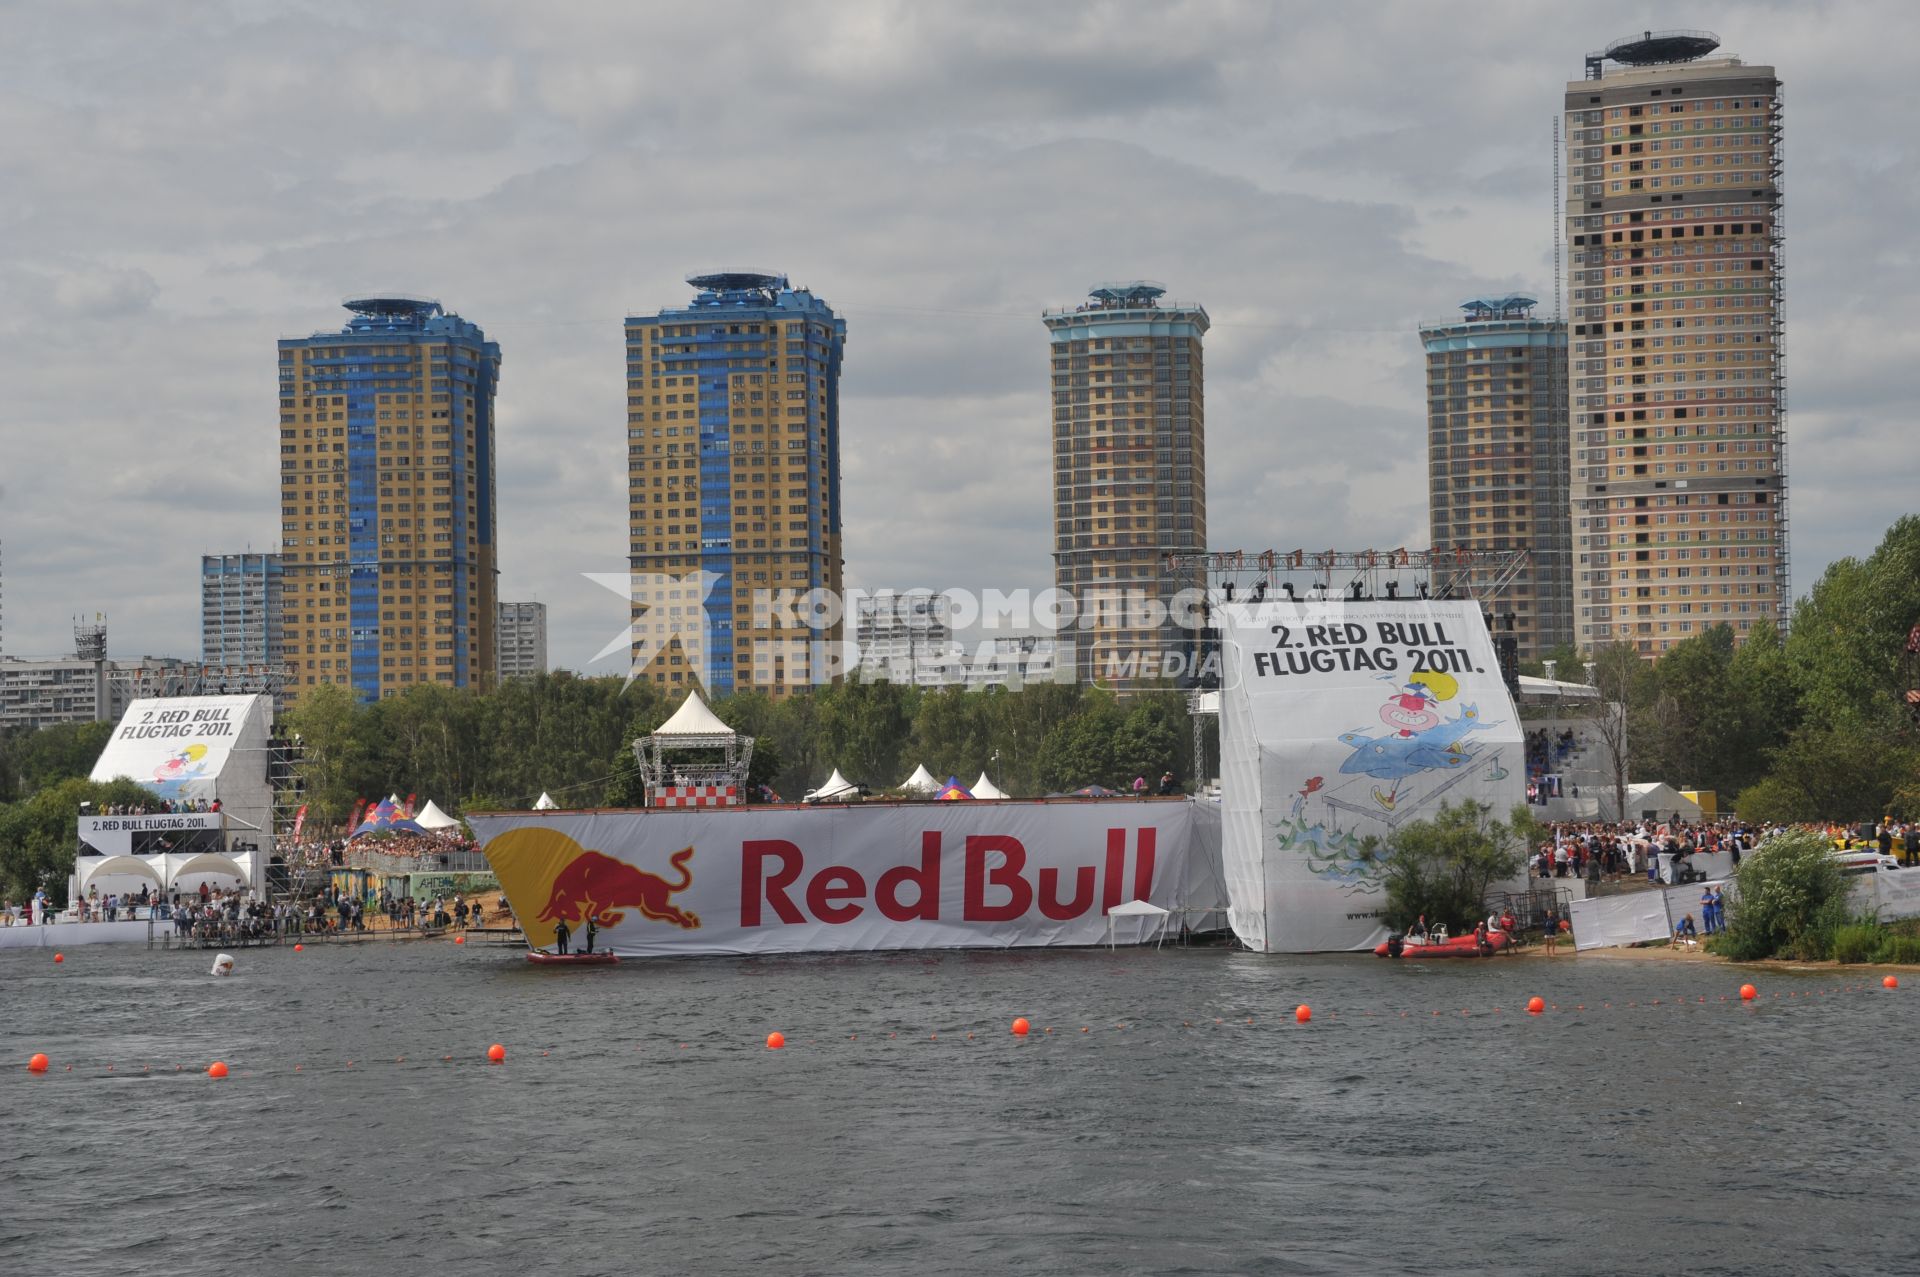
1659	801
1560	689
431	817
984	788
837	788
1153	919
921	782
693	718
545	802
112	866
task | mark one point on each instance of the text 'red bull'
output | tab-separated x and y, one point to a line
995	886
599	887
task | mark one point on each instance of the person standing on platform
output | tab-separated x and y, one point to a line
592	931
560	936
1553	929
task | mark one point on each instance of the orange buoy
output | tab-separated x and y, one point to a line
1536	1004
496	1053
776	1040
1020	1026
216	1069
459	939
1748	993
1302	1013
1891	982
59	957
38	1064
1084	1029
299	948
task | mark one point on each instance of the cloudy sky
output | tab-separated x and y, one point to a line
182	184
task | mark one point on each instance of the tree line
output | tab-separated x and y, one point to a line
1812	725
572	737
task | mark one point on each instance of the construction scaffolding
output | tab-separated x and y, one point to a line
1354	575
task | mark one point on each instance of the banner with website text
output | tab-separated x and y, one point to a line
907	876
1340	722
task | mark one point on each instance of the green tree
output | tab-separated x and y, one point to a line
1443	867
1080	750
865	728
1788	891
326	720
39	835
1840	772
1152	738
1849	633
30	760
1773	800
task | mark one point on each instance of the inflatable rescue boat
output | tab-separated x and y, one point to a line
1452	947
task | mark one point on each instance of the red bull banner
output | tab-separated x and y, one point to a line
897	876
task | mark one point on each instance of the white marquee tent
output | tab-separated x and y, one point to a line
921	782
693	718
431	817
545	802
1657	801
984	788
837	789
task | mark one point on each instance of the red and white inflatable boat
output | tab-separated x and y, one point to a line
1452	947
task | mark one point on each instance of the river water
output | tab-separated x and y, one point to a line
640	1125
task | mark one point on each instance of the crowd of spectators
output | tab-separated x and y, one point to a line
161	807
1597	850
338	852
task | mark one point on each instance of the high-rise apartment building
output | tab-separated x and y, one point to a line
240	610
522	640
1497	456
1129	477
733	464
1677	391
905	637
388	560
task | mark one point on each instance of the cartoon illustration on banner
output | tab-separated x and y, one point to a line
1350	721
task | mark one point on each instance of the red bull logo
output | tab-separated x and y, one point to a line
575	884
599	887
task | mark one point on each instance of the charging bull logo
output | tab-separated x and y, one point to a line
602	888
542	868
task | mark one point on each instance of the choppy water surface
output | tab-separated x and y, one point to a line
1688	1137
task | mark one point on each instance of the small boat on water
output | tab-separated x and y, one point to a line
540	959
1452	947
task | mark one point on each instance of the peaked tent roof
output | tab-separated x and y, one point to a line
984	788
837	786
693	718
545	802
921	782
1138	909
431	817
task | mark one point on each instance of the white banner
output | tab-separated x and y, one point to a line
1888	894
114	835
176	746
1341	722
162	823
908	876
